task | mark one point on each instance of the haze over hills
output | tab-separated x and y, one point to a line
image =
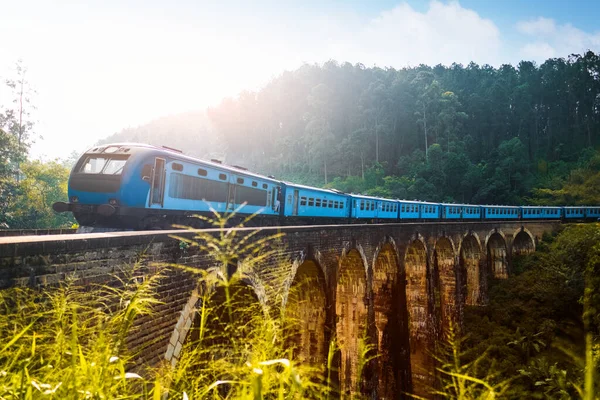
192	132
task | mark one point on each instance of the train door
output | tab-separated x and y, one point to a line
295	203
157	189
230	198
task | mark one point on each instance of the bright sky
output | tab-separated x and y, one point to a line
101	66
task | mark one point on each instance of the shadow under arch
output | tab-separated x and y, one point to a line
213	319
445	285
306	313
416	269
391	322
497	262
470	269
351	302
523	243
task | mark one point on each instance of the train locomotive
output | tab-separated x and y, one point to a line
138	186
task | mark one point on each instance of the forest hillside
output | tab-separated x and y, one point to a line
478	134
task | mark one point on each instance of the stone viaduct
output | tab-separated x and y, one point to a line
400	286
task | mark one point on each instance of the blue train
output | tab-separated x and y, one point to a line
136	186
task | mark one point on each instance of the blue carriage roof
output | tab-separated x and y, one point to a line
460	205
178	155
329	191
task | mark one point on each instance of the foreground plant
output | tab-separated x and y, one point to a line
69	342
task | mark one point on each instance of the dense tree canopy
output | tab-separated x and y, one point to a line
460	133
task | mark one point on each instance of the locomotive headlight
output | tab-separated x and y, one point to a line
74	199
113	202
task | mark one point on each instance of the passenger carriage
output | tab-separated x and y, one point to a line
309	202
539	212
501	212
430	210
574	212
461	211
409	210
373	208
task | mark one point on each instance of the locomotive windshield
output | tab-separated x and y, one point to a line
103	165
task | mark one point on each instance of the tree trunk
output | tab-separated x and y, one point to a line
362	165
425	129
376	141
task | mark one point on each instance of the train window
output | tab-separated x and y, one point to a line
265	186
193	188
331	203
222	177
147	171
362	204
336	204
97	165
177	167
240	180
318	202
254	184
302	201
311	202
202	172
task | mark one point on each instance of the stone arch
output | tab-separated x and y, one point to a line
245	300
391	321
351	314
469	261
497	255
306	308
415	265
444	258
523	242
